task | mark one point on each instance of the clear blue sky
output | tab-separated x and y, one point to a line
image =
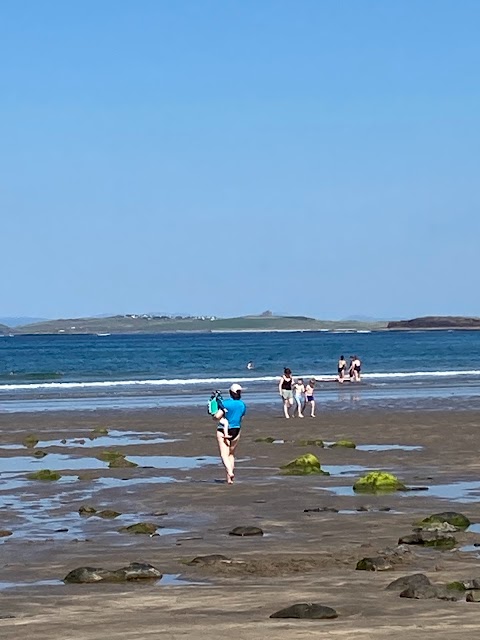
316	157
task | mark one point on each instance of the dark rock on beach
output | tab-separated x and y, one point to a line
30	441
214	558
304	465
87	510
413	581
107	514
38	453
452	517
430	592
348	444
4	533
147	528
321	510
306	610
134	571
375	563
246	531
430	539
473	596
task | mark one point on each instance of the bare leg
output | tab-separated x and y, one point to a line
312	409
233	446
299	407
224	449
285	409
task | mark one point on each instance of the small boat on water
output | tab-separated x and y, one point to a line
103	334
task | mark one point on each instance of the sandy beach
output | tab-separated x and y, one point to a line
303	556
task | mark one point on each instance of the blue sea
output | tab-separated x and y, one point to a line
409	369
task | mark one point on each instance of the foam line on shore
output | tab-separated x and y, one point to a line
220	382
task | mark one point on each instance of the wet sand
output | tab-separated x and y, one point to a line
303	556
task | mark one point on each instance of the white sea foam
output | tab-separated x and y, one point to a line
222	382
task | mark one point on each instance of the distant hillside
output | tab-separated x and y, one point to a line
437	322
4	330
153	324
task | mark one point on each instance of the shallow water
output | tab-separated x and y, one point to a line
167	580
114	438
62	462
463	492
345	470
388	447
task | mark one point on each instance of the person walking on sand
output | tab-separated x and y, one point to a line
341	368
285	390
228	430
299	388
309	397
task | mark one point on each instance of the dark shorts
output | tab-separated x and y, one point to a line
309	398
340	371
232	433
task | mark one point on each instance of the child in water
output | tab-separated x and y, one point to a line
309	389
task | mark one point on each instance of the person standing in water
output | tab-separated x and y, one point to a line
299	391
350	369
341	368
285	390
309	397
357	368
228	431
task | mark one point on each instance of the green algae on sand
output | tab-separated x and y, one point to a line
44	474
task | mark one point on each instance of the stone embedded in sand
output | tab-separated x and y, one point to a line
30	441
110	456
474	583
87	510
267	439
147	528
375	563
39	454
134	571
246	531
473	596
304	465
311	443
306	610
378	481
107	514
414	581
452	517
213	558
97	432
348	444
430	539
44	474
430	592
4	533
121	463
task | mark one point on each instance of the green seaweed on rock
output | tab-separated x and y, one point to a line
304	465
377	482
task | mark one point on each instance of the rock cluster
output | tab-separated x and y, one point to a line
134	571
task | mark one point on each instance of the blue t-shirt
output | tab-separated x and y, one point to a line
235	411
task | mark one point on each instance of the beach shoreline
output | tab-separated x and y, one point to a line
303	556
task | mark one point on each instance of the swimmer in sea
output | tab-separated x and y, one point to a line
228	436
341	368
250	365
309	398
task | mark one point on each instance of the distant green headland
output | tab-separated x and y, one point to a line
146	323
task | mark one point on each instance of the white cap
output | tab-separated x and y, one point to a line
235	388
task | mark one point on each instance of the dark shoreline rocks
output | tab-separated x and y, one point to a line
246	531
133	571
306	611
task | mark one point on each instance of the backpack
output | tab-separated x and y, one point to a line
215	403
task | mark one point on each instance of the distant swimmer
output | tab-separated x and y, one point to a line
250	365
341	368
286	391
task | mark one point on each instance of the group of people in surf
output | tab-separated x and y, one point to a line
297	395
354	369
